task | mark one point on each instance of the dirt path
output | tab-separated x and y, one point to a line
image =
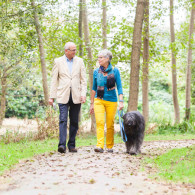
18	125
87	172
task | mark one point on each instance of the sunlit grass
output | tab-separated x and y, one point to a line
11	153
177	165
156	137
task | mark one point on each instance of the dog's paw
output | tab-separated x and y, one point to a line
133	153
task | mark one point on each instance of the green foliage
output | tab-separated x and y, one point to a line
59	24
160	101
183	127
160	91
177	165
23	103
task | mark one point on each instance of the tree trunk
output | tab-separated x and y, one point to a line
145	67
135	56
174	70
80	27
104	25
81	40
3	98
188	70
90	57
42	53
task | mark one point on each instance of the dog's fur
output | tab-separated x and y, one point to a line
134	125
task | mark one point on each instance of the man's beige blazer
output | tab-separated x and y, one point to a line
63	82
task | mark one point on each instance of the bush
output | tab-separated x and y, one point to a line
49	126
23	103
161	112
183	127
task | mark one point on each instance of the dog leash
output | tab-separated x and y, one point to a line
122	130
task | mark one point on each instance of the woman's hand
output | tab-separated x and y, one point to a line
121	105
91	108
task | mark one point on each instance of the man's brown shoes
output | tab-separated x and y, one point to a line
73	150
61	149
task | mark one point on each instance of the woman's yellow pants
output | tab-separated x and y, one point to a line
100	107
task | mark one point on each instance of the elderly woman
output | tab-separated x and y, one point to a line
104	99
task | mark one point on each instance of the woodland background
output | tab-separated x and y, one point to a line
152	44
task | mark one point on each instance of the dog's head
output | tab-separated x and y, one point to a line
129	119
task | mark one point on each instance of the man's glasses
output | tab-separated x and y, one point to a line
74	50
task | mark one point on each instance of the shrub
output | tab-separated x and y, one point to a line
48	126
183	127
23	103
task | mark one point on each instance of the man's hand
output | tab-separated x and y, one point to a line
83	99
51	100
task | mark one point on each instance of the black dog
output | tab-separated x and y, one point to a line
134	125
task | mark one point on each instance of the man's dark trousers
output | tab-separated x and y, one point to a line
74	110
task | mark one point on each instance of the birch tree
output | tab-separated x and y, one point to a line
173	67
104	24
90	57
189	62
145	68
135	56
41	52
80	27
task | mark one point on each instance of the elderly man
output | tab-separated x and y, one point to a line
69	87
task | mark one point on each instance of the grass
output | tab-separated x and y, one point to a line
177	165
158	137
12	153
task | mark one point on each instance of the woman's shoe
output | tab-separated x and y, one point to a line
110	150
99	150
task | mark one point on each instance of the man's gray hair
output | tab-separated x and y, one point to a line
106	53
68	44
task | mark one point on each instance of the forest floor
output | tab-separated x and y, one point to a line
87	172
